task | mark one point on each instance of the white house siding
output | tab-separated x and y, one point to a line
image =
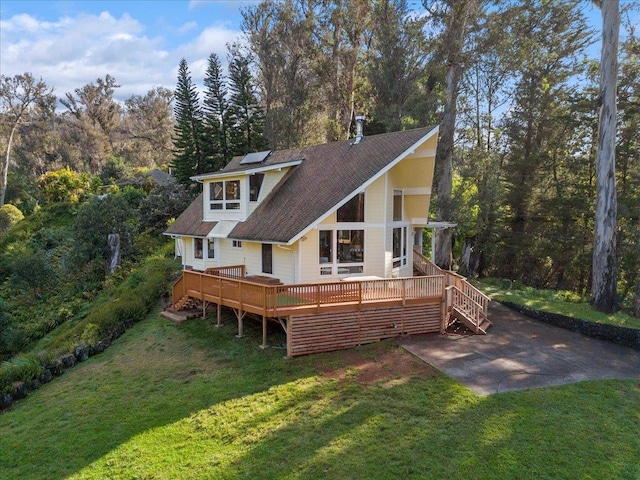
250	255
309	266
230	255
271	179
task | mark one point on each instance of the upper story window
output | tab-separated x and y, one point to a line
353	210
397	205
224	195
255	184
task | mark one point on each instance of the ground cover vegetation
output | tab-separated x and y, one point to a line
562	302
56	291
192	401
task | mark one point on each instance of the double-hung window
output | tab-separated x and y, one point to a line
224	195
199	250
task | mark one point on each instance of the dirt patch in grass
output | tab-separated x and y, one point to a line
384	362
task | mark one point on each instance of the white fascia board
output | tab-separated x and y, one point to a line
249	171
409	151
417	191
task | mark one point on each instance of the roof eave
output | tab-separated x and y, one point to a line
247	171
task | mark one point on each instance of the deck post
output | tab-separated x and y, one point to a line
240	316
219	316
264	333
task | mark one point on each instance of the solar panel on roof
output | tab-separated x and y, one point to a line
255	157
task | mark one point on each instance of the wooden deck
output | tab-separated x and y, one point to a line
330	316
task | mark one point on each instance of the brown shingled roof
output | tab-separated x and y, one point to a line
190	221
327	175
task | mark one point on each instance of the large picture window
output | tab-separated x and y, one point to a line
350	246
353	210
224	195
348	255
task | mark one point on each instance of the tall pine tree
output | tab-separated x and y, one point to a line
189	157
217	115
247	131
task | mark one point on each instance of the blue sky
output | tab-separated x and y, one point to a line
140	43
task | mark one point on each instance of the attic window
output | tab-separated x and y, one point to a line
224	195
255	183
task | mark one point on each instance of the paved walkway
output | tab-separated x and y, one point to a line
520	353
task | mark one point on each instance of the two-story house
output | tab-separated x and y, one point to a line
313	214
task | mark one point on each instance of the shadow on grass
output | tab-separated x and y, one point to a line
155	375
192	401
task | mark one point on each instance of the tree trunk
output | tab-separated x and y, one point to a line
461	13
603	290
5	166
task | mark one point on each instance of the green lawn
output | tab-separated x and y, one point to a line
191	401
561	302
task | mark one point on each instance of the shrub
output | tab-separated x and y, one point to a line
9	216
22	368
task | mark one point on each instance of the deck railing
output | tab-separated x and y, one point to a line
467	293
283	300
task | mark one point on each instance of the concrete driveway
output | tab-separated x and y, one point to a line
520	353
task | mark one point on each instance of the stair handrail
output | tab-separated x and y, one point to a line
467	305
423	264
177	291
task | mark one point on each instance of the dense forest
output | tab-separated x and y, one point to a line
515	87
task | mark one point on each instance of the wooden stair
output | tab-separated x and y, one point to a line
458	314
186	303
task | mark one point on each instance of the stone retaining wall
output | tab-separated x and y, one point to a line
629	337
58	366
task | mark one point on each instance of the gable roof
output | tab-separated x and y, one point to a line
328	174
190	221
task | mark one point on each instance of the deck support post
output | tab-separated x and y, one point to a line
240	315
205	304
264	333
219	316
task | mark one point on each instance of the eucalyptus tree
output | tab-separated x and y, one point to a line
605	268
148	123
455	18
188	141
395	63
281	36
23	99
94	121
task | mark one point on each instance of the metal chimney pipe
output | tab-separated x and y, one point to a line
359	128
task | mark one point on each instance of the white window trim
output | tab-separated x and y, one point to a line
225	202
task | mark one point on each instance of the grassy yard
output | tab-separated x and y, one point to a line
562	302
191	401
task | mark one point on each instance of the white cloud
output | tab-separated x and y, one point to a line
74	51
